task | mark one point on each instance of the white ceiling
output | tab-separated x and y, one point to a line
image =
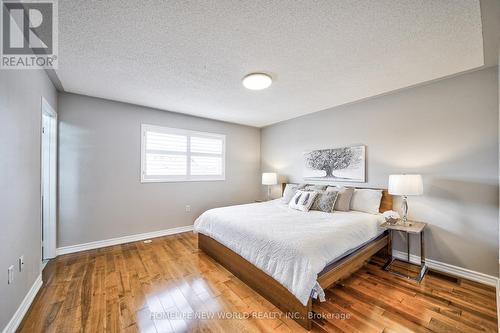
190	56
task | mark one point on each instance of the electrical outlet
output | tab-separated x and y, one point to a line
188	208
21	263
10	274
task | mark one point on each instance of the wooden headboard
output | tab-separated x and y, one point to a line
385	203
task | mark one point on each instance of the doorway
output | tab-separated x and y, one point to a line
49	180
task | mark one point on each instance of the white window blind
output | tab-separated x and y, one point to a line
171	154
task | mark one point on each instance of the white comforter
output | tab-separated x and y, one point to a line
291	246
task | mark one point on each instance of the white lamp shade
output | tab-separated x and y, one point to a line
406	185
269	178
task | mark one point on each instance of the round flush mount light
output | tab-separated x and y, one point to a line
257	81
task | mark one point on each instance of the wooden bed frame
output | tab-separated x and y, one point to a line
273	291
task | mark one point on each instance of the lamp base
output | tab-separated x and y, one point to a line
404	208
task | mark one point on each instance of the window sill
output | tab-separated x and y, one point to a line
145	181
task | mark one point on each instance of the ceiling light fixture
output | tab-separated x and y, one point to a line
257	81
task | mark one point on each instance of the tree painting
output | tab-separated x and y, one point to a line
347	164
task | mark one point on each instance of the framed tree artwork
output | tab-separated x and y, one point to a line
345	164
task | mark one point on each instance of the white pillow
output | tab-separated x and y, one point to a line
365	200
289	192
302	200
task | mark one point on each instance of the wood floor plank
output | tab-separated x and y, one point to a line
169	285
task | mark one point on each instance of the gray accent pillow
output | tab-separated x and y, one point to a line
325	201
315	187
343	202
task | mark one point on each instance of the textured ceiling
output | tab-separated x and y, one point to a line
190	56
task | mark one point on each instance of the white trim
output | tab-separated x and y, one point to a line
50	224
414	259
24	306
121	240
450	269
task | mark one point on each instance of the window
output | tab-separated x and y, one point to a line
172	154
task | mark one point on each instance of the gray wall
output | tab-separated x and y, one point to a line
20	220
101	196
447	131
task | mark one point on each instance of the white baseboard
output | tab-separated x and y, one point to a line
403	256
450	269
23	307
121	240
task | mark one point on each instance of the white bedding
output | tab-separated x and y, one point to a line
291	246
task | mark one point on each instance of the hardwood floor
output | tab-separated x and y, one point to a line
163	286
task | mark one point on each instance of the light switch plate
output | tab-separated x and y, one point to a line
10	274
21	263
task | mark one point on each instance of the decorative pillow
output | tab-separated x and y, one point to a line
289	192
365	200
302	200
325	201
315	187
343	202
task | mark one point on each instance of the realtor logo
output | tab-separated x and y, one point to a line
29	34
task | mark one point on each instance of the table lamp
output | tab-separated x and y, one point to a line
269	178
405	185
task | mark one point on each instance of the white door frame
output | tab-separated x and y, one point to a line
48	196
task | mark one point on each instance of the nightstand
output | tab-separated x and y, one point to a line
411	228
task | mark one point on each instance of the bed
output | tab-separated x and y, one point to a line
289	256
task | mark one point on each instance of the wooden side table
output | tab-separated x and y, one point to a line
411	228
